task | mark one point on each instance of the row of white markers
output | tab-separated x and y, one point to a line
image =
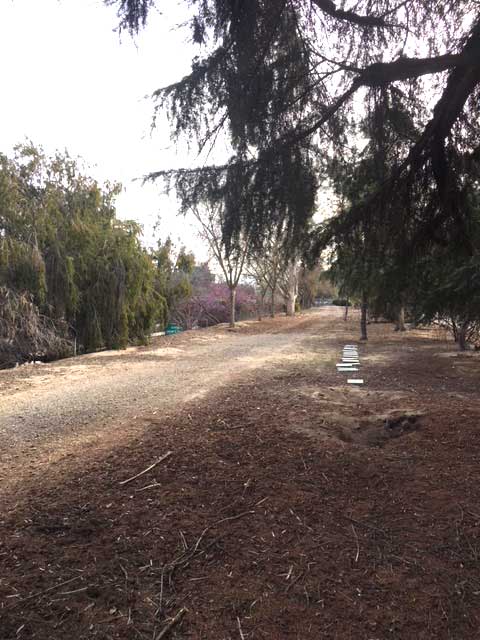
350	363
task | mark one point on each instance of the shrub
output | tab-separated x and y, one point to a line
26	335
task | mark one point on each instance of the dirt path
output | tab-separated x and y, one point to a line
39	401
292	507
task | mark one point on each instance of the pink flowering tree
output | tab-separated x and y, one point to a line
212	305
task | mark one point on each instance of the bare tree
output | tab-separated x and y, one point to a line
288	285
275	273
231	259
266	267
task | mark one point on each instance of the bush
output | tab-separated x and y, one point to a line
26	335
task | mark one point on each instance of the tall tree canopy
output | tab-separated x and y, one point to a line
65	259
290	80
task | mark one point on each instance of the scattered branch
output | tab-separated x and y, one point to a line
240	629
41	593
164	457
358	545
174	621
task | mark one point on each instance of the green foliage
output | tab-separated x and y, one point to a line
173	276
278	77
185	262
437	279
22	267
373	260
61	243
448	291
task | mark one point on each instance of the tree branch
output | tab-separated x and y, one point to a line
329	7
430	147
382	73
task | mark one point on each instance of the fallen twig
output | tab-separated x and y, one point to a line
239	515
164	457
149	486
356	540
240	629
67	593
294	581
40	593
187	555
175	620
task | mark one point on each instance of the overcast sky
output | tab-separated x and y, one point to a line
69	81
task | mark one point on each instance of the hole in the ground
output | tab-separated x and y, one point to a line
399	425
391	427
377	430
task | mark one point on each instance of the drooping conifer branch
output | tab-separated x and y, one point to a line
330	8
267	81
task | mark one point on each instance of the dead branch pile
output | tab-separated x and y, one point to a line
25	334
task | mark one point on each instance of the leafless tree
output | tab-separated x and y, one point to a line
265	266
231	259
275	273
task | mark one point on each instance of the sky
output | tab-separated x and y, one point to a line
71	81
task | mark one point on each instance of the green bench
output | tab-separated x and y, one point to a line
172	328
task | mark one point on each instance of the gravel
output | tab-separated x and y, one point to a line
38	401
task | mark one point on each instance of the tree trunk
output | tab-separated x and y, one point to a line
462	336
233	296
290	305
292	293
260	305
414	313
401	319
345	315
363	318
454	330
272	304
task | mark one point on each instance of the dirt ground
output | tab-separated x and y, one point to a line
37	402
289	505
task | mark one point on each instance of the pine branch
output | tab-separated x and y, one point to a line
329	7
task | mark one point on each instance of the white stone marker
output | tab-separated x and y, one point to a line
350	362
355	381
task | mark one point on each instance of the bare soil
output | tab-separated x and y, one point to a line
291	506
39	401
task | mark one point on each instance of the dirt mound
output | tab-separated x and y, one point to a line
358	416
